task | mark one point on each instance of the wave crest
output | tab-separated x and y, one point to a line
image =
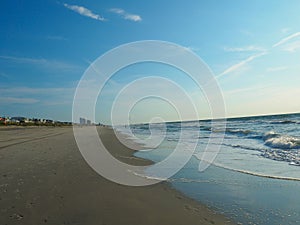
275	140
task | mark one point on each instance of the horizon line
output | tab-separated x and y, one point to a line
225	118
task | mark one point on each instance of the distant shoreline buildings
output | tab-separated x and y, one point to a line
85	122
24	121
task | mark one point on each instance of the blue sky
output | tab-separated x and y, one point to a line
253	48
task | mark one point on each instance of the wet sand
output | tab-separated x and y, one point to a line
45	180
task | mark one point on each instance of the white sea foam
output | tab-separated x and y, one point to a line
249	163
283	142
147	176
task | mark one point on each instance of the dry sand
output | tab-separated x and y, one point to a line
44	180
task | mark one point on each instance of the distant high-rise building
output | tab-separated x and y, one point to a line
82	121
88	122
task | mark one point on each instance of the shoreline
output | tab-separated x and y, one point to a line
45	180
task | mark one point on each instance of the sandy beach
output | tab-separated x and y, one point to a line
45	180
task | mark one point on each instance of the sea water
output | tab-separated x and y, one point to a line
255	177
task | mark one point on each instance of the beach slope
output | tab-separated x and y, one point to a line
45	180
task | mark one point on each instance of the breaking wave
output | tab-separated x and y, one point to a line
275	140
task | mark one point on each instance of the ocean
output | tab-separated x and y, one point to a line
255	177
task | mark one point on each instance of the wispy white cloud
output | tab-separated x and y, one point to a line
30	95
291	47
84	12
286	39
250	48
50	64
126	15
191	48
3	75
13	100
237	66
275	69
238	91
33	91
286	44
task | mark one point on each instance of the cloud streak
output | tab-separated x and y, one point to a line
42	96
238	91
126	15
34	91
286	39
3	75
13	100
275	69
84	12
291	47
250	48
49	64
287	46
240	64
